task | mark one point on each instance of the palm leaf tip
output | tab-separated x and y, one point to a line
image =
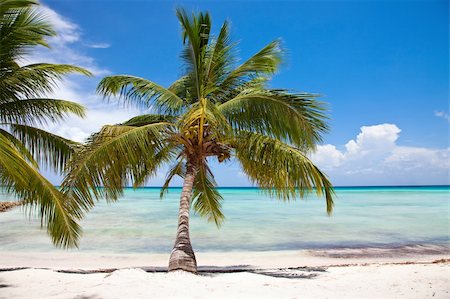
207	200
62	69
178	169
57	213
280	169
330	202
67	237
144	93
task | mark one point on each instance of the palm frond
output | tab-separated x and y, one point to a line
206	199
143	172
195	31
219	60
56	211
178	169
46	148
142	92
20	147
108	160
38	111
15	4
21	29
215	122
182	87
262	64
294	118
280	169
33	80
147	119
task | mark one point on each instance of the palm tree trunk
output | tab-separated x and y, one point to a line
182	256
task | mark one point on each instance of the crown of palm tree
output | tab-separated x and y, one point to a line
22	146
216	109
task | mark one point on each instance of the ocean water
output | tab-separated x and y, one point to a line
142	223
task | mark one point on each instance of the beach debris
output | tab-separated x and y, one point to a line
7	205
13	269
441	261
292	273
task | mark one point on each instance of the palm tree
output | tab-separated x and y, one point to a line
216	110
22	145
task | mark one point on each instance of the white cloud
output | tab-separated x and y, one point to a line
442	114
67	47
99	46
68	32
374	157
328	155
373	138
408	158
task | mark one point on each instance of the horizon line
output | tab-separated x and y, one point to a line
256	187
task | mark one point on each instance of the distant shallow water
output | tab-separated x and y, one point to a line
382	217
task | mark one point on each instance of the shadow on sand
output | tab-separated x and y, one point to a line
293	272
4	285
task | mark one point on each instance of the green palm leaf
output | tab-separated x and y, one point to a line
33	80
141	92
280	169
195	30
15	4
147	119
143	172
22	27
109	159
20	147
38	111
179	169
219	60
206	198
54	209
47	148
295	118
263	63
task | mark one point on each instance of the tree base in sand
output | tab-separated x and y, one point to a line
181	260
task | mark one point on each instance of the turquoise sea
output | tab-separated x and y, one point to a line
141	222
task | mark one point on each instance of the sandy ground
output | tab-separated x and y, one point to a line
348	274
371	281
340	273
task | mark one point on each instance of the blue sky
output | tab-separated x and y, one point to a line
383	67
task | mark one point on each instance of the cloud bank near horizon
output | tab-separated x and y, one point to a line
375	158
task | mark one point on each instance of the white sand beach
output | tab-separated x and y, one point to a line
287	274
